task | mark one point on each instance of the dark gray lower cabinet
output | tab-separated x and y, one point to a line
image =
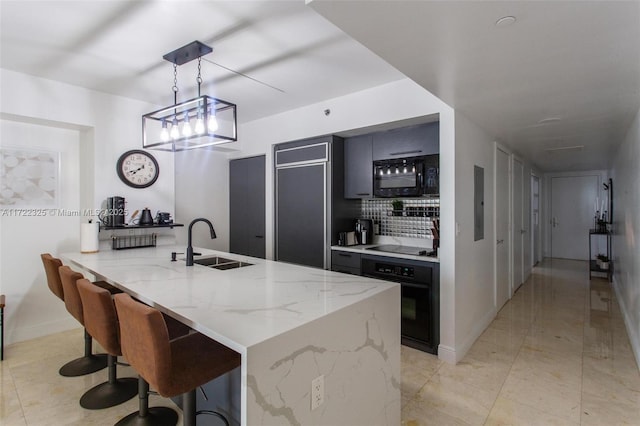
247	206
344	261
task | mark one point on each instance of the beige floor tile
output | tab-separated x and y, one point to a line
417	368
554	396
598	411
506	412
417	414
564	368
455	398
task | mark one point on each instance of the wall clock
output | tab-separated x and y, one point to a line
137	168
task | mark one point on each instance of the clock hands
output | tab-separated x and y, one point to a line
133	172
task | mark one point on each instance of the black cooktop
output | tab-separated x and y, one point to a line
393	248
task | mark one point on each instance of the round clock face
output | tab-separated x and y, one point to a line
137	168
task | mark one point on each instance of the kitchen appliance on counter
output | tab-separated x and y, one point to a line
113	215
145	218
420	297
407	177
364	231
164	218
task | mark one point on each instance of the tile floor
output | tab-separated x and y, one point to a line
556	354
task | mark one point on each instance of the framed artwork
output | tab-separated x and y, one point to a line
29	178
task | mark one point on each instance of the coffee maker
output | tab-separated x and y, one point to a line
115	212
364	231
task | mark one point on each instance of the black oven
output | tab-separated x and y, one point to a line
407	177
420	314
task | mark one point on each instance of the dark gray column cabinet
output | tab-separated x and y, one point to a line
247	206
358	172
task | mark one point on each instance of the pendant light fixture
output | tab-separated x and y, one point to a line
195	123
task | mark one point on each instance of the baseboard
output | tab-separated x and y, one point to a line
455	355
20	334
446	354
629	324
476	332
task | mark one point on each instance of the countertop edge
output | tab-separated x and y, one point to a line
364	249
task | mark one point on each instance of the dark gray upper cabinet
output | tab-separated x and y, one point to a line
412	141
358	171
247	206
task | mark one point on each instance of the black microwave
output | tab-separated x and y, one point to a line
407	177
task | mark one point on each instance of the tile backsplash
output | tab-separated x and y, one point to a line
414	221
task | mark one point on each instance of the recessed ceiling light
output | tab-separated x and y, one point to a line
549	120
505	21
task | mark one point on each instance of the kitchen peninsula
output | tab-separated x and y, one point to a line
291	324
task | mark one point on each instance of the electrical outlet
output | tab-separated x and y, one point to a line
317	392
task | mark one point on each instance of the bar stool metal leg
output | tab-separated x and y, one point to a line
154	416
89	363
111	393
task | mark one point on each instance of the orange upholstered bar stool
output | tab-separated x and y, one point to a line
101	322
171	367
89	363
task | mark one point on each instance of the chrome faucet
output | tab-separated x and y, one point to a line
189	247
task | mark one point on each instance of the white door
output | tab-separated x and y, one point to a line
518	224
535	220
572	215
503	289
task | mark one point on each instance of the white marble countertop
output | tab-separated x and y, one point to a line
366	249
237	307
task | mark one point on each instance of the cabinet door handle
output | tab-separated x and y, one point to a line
344	255
362	193
259	236
416	151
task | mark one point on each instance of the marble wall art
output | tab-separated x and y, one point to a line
28	178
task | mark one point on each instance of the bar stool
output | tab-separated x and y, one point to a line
88	363
102	324
172	367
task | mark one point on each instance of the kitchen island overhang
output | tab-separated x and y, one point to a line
290	324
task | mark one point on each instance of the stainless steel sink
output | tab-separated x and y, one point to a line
221	263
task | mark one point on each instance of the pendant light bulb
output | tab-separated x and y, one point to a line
213	122
175	133
186	126
199	127
164	133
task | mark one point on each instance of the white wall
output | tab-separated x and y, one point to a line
103	127
625	175
474	271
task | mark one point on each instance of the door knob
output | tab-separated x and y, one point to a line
499	242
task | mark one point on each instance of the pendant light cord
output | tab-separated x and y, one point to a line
175	84
199	79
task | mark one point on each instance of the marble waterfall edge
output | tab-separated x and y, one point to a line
358	352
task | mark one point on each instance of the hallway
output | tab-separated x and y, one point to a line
556	354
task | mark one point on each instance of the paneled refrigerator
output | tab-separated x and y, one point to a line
310	208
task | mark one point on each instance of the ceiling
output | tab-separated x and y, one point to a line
290	55
565	74
560	85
